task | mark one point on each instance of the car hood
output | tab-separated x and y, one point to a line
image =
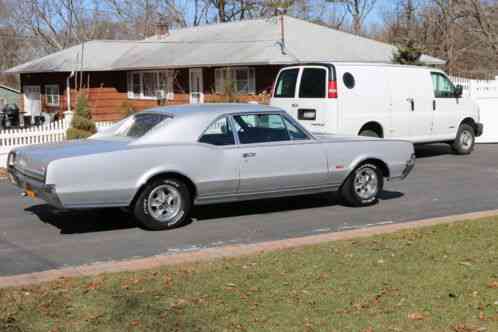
35	158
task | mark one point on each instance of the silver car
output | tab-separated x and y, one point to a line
161	162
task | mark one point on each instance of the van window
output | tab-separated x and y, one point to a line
313	83
286	85
443	88
260	128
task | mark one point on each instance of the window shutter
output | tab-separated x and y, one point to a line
251	74
170	85
129	78
218	80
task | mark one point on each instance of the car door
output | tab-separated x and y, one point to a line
445	106
276	155
219	173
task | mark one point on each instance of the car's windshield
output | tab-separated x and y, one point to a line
140	124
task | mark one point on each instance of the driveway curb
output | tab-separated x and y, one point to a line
227	251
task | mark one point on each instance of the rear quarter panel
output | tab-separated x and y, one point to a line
344	156
112	179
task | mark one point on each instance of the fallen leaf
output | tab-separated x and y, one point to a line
493	284
416	316
135	322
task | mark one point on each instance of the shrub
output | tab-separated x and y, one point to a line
408	54
82	125
126	109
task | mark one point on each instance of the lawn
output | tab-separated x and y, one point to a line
442	278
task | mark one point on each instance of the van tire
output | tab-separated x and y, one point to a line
465	140
369	133
348	190
167	194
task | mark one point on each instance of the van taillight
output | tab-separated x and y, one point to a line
332	89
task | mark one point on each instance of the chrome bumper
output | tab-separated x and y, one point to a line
410	164
43	191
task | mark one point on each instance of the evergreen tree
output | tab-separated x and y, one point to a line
82	125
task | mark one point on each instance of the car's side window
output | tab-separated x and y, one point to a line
443	88
286	84
261	128
295	133
313	83
219	133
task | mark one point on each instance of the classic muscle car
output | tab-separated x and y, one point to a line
160	162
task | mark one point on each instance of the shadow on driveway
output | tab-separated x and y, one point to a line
432	150
102	220
83	221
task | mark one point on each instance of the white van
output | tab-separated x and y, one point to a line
418	104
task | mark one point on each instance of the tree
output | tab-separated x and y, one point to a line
358	10
407	54
82	125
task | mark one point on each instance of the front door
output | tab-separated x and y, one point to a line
196	86
32	100
445	106
276	155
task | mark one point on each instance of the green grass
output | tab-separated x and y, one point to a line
443	278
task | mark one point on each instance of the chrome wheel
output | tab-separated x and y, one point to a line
164	203
466	140
366	183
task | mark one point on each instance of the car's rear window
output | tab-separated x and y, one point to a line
286	84
140	124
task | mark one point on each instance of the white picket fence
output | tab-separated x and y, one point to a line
49	133
485	93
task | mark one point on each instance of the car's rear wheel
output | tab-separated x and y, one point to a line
363	185
465	140
163	204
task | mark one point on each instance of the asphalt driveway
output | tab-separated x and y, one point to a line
35	238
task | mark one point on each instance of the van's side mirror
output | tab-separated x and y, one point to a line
458	91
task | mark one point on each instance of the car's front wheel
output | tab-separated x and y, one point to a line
163	204
363	186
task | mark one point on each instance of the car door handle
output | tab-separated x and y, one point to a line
433	105
295	105
249	155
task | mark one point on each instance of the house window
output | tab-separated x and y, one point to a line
241	79
52	95
151	85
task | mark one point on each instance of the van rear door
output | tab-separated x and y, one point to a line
284	92
315	101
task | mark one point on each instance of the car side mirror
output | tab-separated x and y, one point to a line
458	91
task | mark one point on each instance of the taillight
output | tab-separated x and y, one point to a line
332	89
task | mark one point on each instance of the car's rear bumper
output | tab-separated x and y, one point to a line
34	187
479	129
410	164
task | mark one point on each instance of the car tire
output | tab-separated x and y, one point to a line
465	140
362	186
163	204
369	133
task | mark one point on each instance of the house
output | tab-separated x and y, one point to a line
211	63
8	95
